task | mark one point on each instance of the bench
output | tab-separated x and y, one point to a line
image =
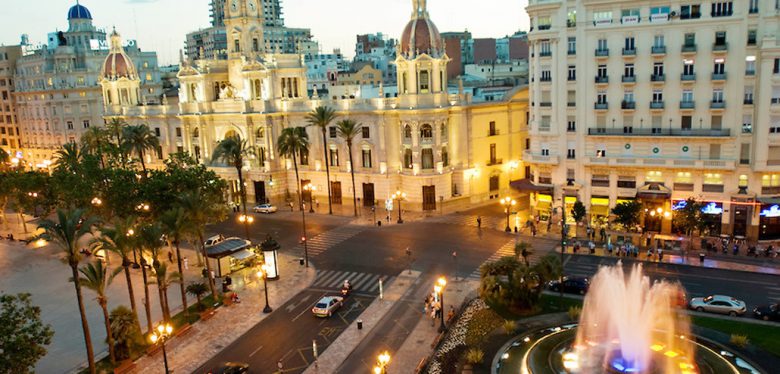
183	330
421	365
127	366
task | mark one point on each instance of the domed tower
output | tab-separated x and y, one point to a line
118	77
421	61
79	18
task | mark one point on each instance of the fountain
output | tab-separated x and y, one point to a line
627	325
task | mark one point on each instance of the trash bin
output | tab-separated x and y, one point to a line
300	261
379	223
701	258
360	324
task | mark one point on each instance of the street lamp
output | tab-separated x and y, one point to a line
96	201
263	273
310	188
246	220
381	363
400	196
508	203
439	289
162	334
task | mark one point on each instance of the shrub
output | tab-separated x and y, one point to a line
481	324
574	313
475	356
510	326
128	339
740	341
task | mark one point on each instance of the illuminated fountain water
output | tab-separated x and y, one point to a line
630	325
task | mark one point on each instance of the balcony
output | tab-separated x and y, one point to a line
493	132
688	48
658	50
545	79
687	105
712	188
528	156
571	23
545	53
495	161
544	27
601	106
629	105
750	73
672	162
602	52
633	131
721	14
687	77
770	190
720	47
747	101
656	105
571	104
629	52
629	79
657	78
545	104
719	76
602	80
717	104
753	10
571	52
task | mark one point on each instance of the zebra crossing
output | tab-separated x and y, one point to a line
507	249
367	283
328	239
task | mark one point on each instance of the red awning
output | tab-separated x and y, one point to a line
526	185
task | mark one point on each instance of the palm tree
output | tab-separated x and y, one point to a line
321	117
118	239
292	142
115	129
198	290
94	141
150	241
164	280
199	211
139	139
96	277
175	223
66	233
69	158
348	130
125	331
233	151
524	250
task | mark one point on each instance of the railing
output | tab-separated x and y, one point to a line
545	53
656	105
545	79
688	77
545	104
629	52
493	132
663	162
657	77
602	52
602	80
545	159
495	161
688	48
687	105
629	79
633	131
658	50
720	47
601	106
717	104
718	76
628	105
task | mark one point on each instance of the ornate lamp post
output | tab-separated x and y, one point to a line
508	203
439	289
400	196
246	220
263	273
381	363
162	334
310	188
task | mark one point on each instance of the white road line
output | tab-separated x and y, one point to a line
306	309
327	279
362	280
255	351
322	275
336	282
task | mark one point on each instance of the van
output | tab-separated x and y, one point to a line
214	240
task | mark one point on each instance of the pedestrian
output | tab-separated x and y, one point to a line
660	255
649	254
451	314
533	230
186	263
603	234
170	256
479	222
592	247
433	315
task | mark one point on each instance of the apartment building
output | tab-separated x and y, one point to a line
9	127
657	101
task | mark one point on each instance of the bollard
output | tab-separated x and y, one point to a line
360	324
701	258
379	223
300	261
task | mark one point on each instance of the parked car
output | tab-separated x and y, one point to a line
718	304
767	312
327	305
214	240
231	368
264	208
575	285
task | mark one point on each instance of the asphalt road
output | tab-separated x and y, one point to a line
753	288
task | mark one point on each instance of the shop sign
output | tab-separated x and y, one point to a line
771	212
710	208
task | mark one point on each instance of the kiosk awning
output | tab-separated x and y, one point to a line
242	255
527	185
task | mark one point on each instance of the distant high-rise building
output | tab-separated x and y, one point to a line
9	128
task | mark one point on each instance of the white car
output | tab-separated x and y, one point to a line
214	240
327	305
264	208
718	304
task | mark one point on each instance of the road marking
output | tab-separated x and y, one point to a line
327	279
292	307
365	282
359	279
255	351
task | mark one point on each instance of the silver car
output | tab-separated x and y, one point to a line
264	208
718	304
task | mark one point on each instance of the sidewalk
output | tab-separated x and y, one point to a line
207	338
337	352
419	344
677	258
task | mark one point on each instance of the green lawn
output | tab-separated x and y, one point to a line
761	336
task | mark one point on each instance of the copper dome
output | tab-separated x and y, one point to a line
421	36
117	64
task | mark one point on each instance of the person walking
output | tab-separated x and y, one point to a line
479	222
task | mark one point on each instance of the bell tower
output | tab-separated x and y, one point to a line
244	28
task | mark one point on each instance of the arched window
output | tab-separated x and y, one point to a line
408	158
407	132
443	132
404	83
427	158
426	131
260	133
196	133
256	89
424	81
231	134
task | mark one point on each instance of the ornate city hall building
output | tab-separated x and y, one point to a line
440	148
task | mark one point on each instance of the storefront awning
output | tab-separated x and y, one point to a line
527	185
227	247
242	255
599	210
769	200
652	191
